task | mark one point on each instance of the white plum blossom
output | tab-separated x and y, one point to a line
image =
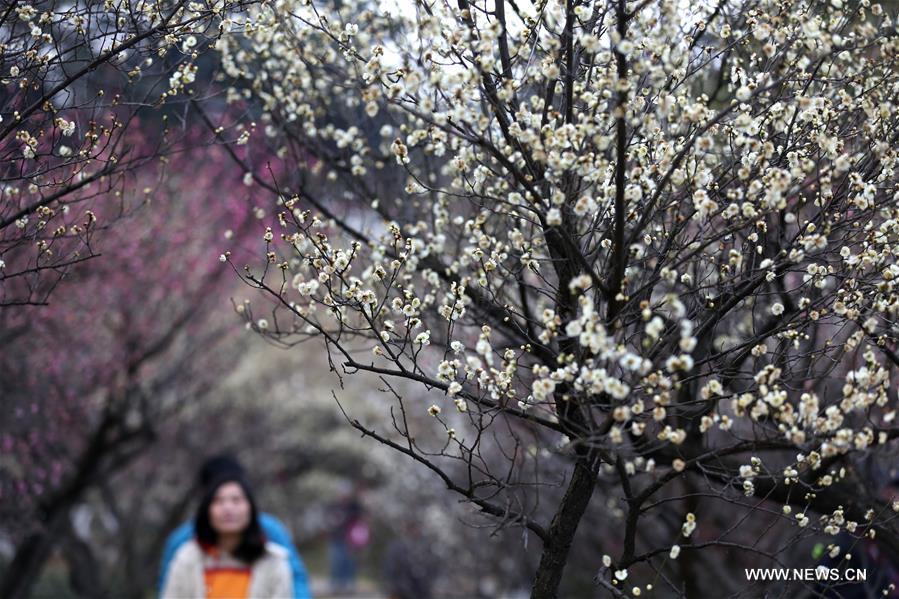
689	525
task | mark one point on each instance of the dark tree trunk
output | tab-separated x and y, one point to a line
26	565
84	571
562	529
53	515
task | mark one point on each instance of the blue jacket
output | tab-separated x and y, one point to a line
274	531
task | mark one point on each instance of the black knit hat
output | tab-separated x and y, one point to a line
219	466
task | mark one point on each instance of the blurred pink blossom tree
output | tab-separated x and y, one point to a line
126	341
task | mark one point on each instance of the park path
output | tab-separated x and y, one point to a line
365	589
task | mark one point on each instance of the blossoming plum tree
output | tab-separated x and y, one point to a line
658	238
126	344
75	78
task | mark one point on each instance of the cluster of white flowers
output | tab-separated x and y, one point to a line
757	221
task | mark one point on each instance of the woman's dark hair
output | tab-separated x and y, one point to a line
252	542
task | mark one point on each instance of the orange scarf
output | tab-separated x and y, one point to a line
225	577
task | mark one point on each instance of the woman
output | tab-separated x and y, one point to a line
229	558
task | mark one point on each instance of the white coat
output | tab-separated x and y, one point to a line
270	576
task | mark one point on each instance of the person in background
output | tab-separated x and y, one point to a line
212	470
349	534
229	557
